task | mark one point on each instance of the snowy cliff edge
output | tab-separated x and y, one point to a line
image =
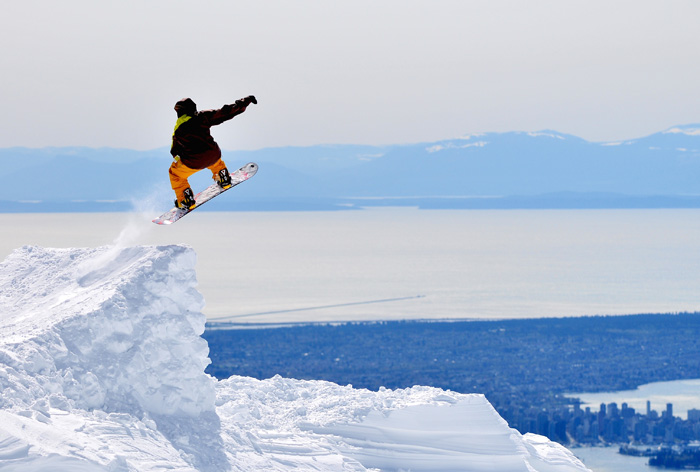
102	369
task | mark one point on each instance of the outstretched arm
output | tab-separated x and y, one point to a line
216	117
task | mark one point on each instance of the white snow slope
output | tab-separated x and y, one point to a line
102	369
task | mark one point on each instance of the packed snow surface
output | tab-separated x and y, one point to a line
102	369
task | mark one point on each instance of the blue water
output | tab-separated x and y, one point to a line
401	263
606	459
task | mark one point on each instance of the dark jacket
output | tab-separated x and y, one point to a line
192	140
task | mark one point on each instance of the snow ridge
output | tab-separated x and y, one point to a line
690	130
112	332
101	329
102	369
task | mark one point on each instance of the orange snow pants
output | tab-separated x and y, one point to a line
179	173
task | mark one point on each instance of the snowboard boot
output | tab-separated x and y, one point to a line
187	202
223	178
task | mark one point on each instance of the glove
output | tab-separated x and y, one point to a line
244	102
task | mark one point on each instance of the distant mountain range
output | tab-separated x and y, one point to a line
544	169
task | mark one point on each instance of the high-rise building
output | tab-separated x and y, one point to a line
693	415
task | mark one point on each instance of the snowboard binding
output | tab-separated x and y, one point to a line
223	178
187	202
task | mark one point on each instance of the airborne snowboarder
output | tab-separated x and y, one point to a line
194	149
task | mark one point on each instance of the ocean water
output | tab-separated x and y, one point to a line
607	459
405	263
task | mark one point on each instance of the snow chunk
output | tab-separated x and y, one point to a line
102	369
418	429
86	334
97	326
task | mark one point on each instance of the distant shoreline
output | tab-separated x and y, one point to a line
226	325
558	201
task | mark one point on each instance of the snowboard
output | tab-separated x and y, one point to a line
241	175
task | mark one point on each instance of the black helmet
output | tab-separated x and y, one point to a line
186	106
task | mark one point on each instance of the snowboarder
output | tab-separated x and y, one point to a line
194	149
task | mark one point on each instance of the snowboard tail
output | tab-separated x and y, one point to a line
241	175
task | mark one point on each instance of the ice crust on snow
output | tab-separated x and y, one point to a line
102	369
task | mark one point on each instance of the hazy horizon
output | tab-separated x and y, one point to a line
410	264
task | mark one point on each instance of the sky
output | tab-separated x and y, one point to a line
107	73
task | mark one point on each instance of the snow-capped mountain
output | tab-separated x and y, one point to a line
512	164
102	369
